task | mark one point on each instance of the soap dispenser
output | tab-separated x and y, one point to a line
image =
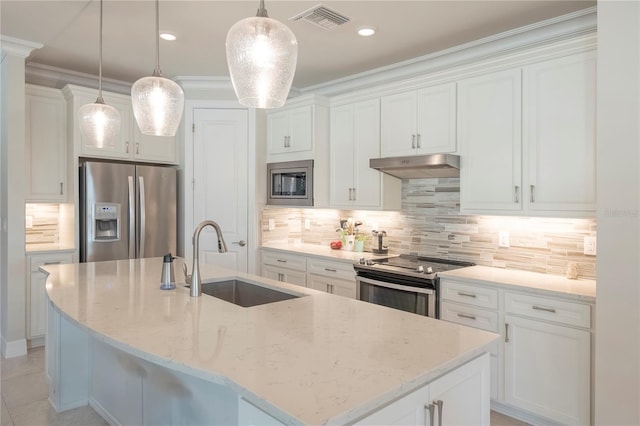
168	279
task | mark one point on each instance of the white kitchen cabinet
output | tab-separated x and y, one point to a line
332	277
527	139
355	139
290	130
559	126
285	267
130	143
460	397
36	292
489	135
45	145
552	335
419	122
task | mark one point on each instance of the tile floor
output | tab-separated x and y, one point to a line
24	393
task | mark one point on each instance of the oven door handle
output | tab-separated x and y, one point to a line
395	286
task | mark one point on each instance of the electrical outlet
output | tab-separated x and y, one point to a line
307	224
503	239
28	222
590	246
272	224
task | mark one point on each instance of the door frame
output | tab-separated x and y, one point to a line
185	182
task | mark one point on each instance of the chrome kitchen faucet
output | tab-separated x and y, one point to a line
194	279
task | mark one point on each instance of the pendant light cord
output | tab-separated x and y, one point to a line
100	100
157	72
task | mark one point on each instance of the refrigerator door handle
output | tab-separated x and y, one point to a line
142	217
132	218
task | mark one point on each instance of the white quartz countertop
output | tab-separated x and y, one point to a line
48	248
544	284
323	252
316	359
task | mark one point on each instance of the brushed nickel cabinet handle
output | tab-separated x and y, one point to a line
418	139
542	308
330	270
439	404
506	332
57	262
532	188
472	317
126	147
413	141
517	193
281	261
465	294
137	148
429	410
61	188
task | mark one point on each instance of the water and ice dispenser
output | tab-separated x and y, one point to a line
106	226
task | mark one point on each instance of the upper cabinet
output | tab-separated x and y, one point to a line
419	121
130	144
45	145
527	139
355	138
299	130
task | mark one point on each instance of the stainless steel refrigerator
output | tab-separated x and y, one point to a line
127	211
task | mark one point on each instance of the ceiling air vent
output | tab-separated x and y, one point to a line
322	16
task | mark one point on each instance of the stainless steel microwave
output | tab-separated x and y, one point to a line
290	183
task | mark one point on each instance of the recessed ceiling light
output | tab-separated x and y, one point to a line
167	36
366	31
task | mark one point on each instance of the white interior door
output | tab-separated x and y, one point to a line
220	183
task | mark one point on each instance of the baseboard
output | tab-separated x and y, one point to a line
35	342
14	348
103	413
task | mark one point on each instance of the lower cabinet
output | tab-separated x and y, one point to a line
541	369
36	293
319	274
460	397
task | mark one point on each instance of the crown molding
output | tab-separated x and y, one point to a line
48	76
16	47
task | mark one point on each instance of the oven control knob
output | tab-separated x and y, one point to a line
420	269
362	261
429	270
370	262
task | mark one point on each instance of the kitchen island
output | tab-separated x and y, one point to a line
141	355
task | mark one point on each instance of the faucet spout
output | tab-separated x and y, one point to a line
196	284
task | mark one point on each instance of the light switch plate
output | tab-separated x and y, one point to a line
590	246
503	239
272	224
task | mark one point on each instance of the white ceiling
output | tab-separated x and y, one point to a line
406	29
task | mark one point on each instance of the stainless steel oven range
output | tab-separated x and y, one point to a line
406	282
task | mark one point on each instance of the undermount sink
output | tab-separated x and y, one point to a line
243	293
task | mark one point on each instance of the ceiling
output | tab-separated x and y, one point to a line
69	31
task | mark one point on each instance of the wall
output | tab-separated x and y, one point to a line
617	366
430	224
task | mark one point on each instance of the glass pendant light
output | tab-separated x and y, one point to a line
99	122
261	55
157	101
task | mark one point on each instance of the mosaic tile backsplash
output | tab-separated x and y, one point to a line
45	229
430	224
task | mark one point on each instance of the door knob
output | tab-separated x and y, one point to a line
241	243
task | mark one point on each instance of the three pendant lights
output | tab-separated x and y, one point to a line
261	54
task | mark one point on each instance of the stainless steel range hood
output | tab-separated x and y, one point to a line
419	166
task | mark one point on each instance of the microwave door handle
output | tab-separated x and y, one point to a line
396	286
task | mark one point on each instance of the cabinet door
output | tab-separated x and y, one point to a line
332	285
301	129
410	410
157	149
461	397
436	119
123	146
367	181
342	161
285	275
37	297
45	145
489	132
398	126
547	369
277	132
559	130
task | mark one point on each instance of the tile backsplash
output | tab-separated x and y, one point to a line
45	223
430	224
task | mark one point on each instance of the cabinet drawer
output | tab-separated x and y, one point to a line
561	311
285	260
469	294
48	259
331	269
469	315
